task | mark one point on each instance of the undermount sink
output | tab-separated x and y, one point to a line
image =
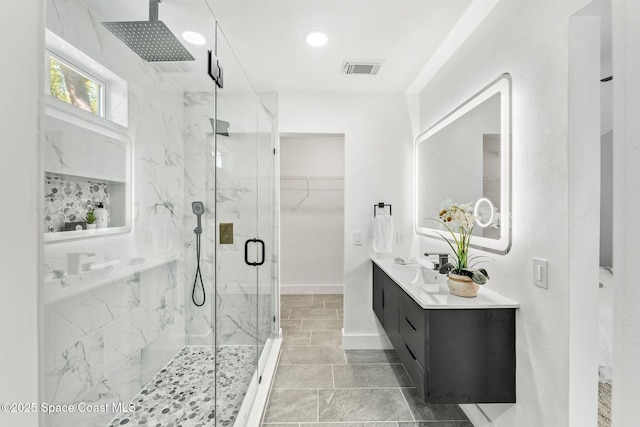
417	275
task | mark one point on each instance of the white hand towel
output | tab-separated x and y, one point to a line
382	234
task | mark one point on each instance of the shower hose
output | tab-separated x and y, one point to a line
198	275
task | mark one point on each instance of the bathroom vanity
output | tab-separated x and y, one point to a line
456	350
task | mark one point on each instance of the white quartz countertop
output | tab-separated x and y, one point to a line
429	288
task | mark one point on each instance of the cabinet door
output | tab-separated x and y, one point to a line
390	309
378	293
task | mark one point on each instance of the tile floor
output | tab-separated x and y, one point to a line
182	394
319	384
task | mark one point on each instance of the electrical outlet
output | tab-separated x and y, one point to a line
540	273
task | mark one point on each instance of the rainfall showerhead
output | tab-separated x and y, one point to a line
151	40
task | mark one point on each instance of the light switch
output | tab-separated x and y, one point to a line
540	270
357	238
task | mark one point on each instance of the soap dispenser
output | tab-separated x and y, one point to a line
102	216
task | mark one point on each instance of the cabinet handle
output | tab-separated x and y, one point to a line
410	324
410	352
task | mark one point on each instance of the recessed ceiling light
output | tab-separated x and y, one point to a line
316	38
194	38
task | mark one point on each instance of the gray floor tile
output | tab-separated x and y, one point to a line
292	405
372	356
300	301
290	325
303	376
295	337
341	314
369	424
425	412
313	314
326	337
296	299
333	298
321	325
436	424
282	425
362	405
370	375
338	304
285	313
312	355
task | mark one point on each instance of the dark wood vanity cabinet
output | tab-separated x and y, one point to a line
452	355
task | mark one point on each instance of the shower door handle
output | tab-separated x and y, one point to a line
246	252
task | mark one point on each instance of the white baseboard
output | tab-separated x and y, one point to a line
311	289
476	415
365	342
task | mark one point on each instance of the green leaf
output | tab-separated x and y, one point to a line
478	277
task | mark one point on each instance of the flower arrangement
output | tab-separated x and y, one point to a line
460	217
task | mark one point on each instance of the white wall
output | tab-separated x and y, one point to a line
312	222
529	40
626	232
606	199
19	250
378	168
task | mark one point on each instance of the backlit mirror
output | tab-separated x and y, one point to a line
466	157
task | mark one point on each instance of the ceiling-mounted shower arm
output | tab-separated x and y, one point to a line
153	10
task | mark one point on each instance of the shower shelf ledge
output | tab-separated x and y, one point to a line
55	291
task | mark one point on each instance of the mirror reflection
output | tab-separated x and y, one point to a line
465	158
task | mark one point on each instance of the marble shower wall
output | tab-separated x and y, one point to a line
106	341
104	345
199	179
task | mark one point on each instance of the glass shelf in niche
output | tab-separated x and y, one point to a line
86	163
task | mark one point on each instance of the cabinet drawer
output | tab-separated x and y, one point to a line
412	313
415	371
415	341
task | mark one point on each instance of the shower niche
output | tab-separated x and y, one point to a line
87	164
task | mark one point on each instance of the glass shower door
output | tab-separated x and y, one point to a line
239	248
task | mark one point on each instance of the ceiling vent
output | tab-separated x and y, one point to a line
361	67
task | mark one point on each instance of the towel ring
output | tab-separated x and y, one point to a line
381	205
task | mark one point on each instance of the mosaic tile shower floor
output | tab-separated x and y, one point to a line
182	393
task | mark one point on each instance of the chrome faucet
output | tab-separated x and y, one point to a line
442	260
73	262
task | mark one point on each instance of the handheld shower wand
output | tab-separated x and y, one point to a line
198	210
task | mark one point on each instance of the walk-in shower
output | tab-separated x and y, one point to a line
127	327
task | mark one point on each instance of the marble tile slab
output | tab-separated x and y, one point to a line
362	405
371	375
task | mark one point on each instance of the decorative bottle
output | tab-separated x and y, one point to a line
102	216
